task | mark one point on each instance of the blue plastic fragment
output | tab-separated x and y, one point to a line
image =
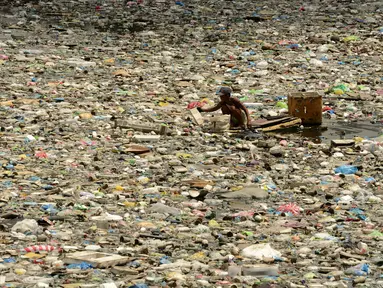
293	46
9	260
7	184
165	260
134	264
139	286
9	167
82	266
370	179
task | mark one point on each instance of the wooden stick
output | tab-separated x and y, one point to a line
283	125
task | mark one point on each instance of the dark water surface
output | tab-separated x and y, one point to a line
330	130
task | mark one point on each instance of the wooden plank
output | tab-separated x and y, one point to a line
146	138
283	125
137	149
342	142
124	270
97	259
265	123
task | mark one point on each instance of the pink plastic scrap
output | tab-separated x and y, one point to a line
290	207
196	104
41	154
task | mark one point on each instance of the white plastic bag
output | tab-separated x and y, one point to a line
260	251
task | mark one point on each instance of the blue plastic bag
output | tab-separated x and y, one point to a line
49	208
82	266
346	170
359	270
370	179
9	260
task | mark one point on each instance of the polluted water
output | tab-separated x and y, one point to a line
331	130
113	173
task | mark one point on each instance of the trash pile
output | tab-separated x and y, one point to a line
110	177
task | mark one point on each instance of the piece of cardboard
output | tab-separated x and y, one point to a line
198	119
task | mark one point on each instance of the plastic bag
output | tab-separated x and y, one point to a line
82	266
359	270
25	225
289	208
282	105
346	169
351	38
260	251
340	89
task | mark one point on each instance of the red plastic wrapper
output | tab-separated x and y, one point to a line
196	104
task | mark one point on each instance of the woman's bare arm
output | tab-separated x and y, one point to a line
212	109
